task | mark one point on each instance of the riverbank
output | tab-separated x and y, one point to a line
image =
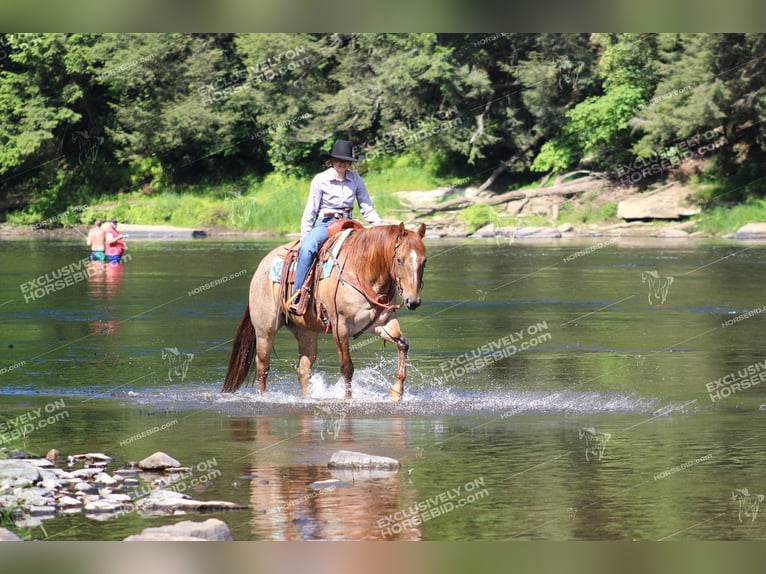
436	228
579	207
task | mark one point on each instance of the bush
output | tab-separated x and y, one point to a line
477	216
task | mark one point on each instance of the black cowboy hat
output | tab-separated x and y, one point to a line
341	149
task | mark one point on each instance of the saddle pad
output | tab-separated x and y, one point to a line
275	271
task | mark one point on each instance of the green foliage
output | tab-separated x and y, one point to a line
723	219
89	114
477	216
584	212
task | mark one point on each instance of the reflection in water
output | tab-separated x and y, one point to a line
103	284
286	503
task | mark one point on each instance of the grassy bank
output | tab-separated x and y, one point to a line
273	203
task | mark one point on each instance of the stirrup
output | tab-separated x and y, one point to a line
292	304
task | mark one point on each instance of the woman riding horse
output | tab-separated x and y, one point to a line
331	197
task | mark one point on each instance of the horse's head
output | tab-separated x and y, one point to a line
409	262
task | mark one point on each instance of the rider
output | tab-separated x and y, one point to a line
331	196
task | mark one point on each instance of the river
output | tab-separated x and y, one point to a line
588	389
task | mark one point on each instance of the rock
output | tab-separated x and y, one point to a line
126	472
170	500
85	473
130	483
162	537
513	208
537	233
668	204
89	457
39	462
106	480
69	502
158	461
565	228
671	233
322	484
751	231
85	488
41	511
100	506
53	455
351	459
8	536
486	231
18	471
212	530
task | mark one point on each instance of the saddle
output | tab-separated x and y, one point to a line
287	276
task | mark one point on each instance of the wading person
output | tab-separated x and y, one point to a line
96	242
114	244
331	196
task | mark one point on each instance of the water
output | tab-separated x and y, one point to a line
517	348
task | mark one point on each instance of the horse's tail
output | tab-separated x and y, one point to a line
242	353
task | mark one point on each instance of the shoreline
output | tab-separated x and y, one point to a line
636	229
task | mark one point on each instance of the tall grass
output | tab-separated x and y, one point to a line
723	219
273	203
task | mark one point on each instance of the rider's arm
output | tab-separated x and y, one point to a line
365	203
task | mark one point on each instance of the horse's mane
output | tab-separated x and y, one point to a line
368	253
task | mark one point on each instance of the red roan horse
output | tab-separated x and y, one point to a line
357	297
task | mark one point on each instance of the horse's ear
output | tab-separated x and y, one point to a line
402	230
422	230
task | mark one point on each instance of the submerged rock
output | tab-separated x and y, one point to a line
211	530
351	459
172	501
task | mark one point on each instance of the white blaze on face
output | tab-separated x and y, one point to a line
414	257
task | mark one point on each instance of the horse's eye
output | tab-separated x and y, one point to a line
399	260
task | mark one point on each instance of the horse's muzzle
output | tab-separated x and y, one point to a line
412	303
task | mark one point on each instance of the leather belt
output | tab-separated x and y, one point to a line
337	214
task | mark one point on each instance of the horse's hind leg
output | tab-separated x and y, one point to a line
307	356
263	345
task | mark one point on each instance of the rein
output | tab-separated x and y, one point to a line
378	300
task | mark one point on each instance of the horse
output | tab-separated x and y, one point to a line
372	265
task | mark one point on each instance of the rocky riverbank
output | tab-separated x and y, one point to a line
35	489
667	213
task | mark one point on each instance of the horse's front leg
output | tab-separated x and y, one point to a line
346	366
392	332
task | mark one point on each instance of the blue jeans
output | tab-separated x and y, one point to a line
310	246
